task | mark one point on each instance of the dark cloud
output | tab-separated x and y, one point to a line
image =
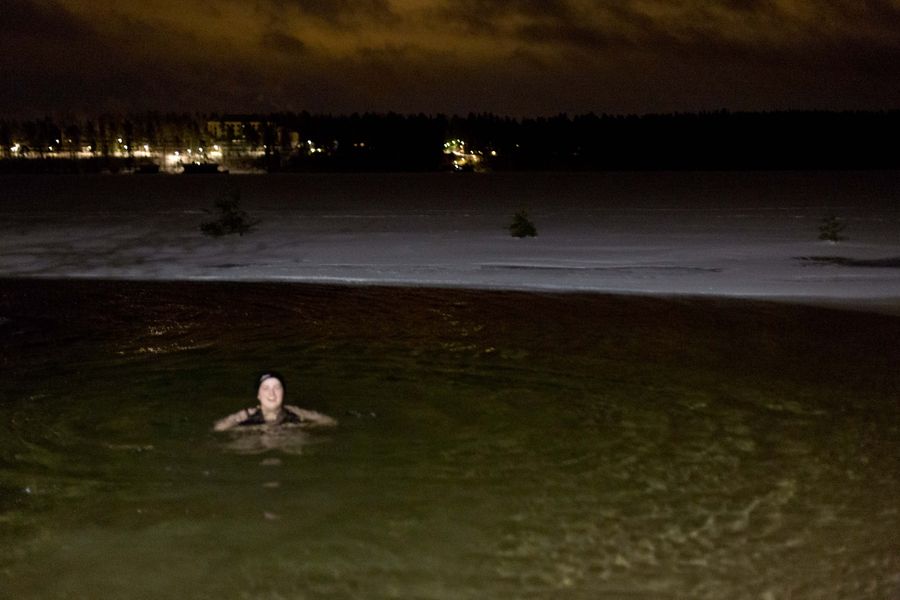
339	12
541	9
25	19
45	52
570	34
60	62
489	16
283	43
749	6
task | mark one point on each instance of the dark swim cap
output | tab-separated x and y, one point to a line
270	375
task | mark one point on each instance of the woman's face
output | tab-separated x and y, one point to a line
270	394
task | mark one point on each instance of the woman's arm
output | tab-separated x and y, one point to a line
310	416
234	420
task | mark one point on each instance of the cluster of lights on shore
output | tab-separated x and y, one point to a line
120	149
202	155
461	157
464	158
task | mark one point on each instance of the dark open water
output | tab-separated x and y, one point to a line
491	445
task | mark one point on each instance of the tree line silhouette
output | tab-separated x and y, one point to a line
302	141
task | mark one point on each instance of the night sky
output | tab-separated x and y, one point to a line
510	57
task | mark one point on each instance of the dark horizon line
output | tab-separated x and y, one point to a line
81	114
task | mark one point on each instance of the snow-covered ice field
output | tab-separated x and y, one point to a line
734	234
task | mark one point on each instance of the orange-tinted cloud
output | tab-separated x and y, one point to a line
506	56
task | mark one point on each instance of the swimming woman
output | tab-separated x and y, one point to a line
272	410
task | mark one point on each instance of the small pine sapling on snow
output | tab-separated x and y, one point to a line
831	228
231	218
522	226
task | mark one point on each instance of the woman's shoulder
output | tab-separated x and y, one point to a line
235	419
311	417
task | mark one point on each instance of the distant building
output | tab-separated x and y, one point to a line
233	128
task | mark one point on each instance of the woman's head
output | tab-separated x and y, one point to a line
270	391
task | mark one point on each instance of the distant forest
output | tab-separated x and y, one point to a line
392	142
